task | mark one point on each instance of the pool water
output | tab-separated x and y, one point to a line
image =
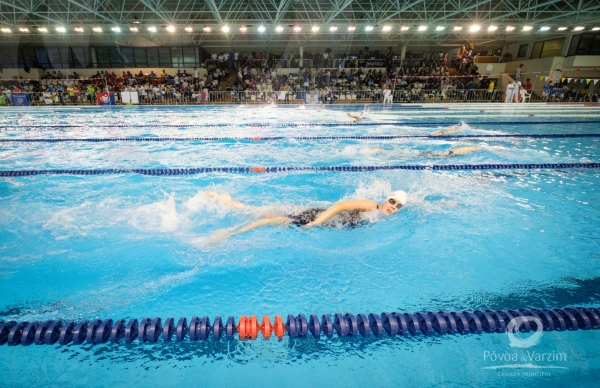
133	246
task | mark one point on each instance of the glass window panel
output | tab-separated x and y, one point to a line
189	57
164	55
92	58
29	56
42	58
127	55
595	46
115	57
573	46
522	50
65	57
139	54
103	58
80	57
536	51
54	58
176	57
585	44
152	53
552	48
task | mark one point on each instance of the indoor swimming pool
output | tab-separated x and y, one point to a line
144	238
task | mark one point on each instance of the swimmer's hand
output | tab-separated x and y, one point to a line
309	225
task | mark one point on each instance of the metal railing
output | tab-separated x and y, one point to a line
300	97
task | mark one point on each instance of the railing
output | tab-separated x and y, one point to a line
261	63
300	97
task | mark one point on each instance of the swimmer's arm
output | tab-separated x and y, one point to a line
452	129
361	205
226	199
463	150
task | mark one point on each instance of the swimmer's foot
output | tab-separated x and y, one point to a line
226	199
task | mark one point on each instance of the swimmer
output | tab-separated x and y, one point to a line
454	152
452	129
350	211
356	117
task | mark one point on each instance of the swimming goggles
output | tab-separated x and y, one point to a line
397	204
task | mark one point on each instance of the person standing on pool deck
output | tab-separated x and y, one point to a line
350	212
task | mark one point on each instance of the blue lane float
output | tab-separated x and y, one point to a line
300	125
305	138
244	170
436	323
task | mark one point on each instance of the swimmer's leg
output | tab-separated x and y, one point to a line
225	199
452	129
462	150
275	220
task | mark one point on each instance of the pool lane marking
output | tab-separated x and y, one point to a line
263	169
269	138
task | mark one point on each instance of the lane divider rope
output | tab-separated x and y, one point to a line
302	125
345	325
262	169
269	138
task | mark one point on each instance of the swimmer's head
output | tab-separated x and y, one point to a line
394	202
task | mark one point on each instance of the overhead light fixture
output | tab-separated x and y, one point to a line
474	28
297	29
561	28
440	28
23	29
333	28
225	28
595	28
136	21
206	29
133	29
262	28
315	28
243	28
509	28
6	30
369	28
351	28
97	29
544	28
79	29
61	29
42	29
404	28
171	28
152	29
278	28
492	28
116	29
387	28
578	28
422	28
527	28
457	28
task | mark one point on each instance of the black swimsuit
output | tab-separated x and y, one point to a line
349	219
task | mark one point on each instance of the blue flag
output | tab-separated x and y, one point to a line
20	99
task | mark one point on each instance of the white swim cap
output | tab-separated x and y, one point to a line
399	196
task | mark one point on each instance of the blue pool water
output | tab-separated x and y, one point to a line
133	246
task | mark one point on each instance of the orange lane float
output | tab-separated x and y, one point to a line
247	328
266	327
279	327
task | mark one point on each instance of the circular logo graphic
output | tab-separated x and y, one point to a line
524	340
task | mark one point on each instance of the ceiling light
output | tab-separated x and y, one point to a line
457	28
207	29
578	28
351	28
42	29
561	28
24	29
116	29
61	29
136	22
595	28
97	29
527	28
315	28
225	28
369	28
474	28
404	28
171	28
262	28
278	28
492	28
297	28
152	29
243	28
79	29
189	29
133	29
422	28
333	28
440	28
6	30
544	28
509	28
387	28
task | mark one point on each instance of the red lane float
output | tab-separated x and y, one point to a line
279	327
266	329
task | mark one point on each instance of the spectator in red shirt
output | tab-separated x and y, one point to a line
528	85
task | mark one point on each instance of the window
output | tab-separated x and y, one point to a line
139	54
81	58
42	58
573	46
152	53
548	48
115	57
189	56
536	51
128	59
103	58
522	50
586	44
164	56
176	57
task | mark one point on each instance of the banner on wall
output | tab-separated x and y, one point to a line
20	99
105	98
127	97
49	98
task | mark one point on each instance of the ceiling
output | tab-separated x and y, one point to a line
289	14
